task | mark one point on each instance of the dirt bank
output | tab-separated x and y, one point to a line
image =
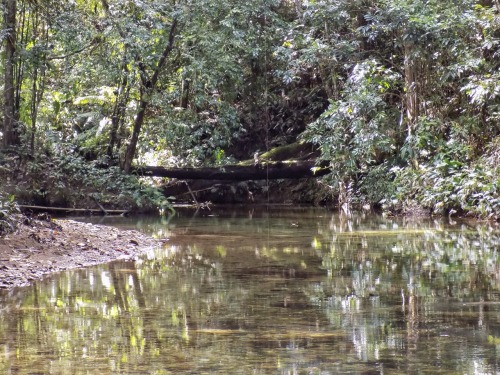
39	248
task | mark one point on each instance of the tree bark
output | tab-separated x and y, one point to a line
132	146
265	171
411	87
10	134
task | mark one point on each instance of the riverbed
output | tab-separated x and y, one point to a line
269	291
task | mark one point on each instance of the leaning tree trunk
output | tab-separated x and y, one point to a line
147	87
10	135
132	146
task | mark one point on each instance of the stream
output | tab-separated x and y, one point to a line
269	291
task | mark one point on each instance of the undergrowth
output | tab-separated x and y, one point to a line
445	185
9	213
65	179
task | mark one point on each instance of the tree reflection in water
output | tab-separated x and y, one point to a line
253	294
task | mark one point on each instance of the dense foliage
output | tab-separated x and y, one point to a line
402	98
64	180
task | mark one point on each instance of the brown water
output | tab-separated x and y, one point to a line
295	291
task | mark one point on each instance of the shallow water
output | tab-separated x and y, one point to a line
279	291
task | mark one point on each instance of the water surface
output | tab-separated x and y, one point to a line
278	291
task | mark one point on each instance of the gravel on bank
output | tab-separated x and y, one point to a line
42	247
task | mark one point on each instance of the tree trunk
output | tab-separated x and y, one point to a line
39	75
185	93
132	146
147	89
411	87
10	133
265	171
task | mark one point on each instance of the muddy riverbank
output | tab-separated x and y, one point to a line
42	247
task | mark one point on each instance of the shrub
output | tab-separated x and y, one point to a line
443	185
65	178
9	214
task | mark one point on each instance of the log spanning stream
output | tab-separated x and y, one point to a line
271	170
269	291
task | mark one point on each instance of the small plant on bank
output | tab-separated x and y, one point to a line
9	214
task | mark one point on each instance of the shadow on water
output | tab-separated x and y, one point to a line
259	291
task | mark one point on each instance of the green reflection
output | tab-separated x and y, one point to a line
247	292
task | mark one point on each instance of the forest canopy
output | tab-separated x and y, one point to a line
401	99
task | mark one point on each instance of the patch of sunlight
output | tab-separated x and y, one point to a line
316	244
221	250
175	319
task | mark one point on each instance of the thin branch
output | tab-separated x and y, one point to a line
93	43
192	195
165	54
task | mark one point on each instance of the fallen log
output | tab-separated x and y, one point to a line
72	210
261	171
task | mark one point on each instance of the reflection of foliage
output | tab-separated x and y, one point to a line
410	268
459	255
253	294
